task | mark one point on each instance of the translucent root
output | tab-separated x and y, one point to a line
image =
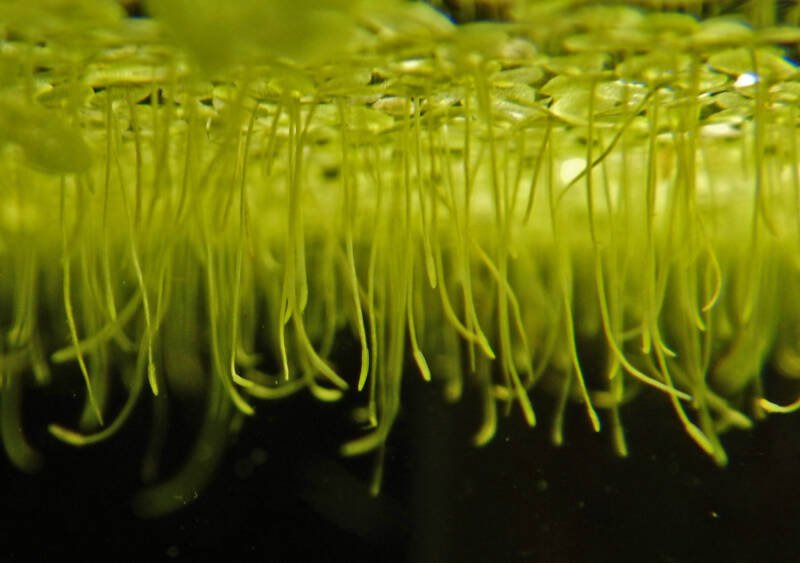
488	427
771	407
193	477
101	337
73	330
260	391
80	439
19	451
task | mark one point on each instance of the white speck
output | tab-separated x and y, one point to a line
720	131
746	79
571	167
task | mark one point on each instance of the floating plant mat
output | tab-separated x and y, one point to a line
585	202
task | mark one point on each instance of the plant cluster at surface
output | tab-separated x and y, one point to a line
203	203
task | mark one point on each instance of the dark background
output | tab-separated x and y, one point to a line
283	493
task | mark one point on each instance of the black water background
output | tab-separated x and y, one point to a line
284	494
